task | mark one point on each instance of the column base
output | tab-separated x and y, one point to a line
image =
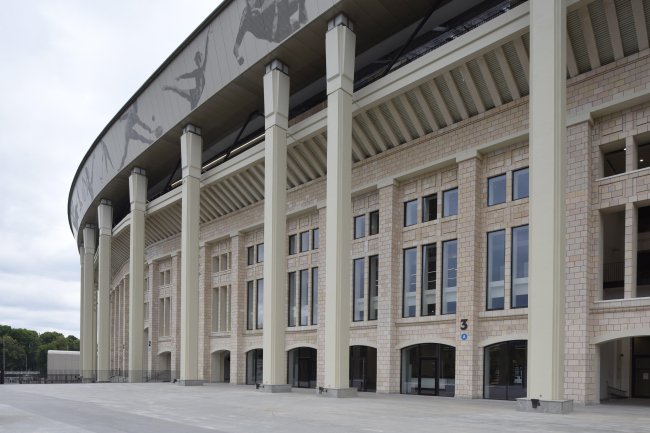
274	388
337	392
189	382
86	380
544	406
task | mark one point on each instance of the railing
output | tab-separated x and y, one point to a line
158	376
613	274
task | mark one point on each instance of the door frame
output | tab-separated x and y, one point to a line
436	374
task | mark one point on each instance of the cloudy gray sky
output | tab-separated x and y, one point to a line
67	68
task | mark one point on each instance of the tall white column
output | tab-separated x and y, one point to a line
88	297
191	150
339	48
82	254
276	112
138	197
105	220
546	319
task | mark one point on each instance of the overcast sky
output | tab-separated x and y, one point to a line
67	68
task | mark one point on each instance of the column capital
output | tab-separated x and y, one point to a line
191	128
340	43
89	239
191	152
138	189
105	218
276	95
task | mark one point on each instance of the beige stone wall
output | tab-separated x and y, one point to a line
587	196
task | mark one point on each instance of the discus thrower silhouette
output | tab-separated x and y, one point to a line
131	117
193	95
269	20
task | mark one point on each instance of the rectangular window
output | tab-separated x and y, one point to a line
410	258
450	202
374	222
250	309
614	160
292	299
293	247
496	270
520	184
250	254
304	298
161	317
315	239
430	208
260	253
519	296
314	296
449	262
215	264
215	310
358	290
161	279
429	280
497	190
373	287
360	227
168	315
304	242
260	303
410	213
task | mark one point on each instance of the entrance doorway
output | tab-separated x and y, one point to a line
363	368
505	370
641	367
220	367
301	367
429	369
254	365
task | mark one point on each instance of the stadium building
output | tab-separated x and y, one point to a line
425	197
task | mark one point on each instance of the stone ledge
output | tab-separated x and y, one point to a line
272	389
544	406
337	392
189	383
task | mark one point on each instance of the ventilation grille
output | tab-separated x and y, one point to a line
470	104
449	100
493	65
375	120
410	95
601	32
391	122
428	95
479	80
515	66
397	102
626	25
578	42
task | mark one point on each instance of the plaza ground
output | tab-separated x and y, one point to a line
163	407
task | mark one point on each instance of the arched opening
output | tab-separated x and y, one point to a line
254	365
220	366
624	368
165	367
363	368
505	370
429	369
301	367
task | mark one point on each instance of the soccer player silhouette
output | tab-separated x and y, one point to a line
269	20
193	95
132	119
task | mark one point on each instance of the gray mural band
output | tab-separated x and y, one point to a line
171	97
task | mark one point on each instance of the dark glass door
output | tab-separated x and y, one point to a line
304	367
642	376
505	371
358	373
428	382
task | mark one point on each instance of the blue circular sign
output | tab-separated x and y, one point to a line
464	336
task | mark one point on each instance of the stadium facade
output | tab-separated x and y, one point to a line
423	197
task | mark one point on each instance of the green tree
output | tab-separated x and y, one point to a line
14	354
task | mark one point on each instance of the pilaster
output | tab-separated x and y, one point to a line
205	310
105	219
88	297
82	255
238	309
138	198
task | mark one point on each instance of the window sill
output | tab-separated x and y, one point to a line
620	303
254	332
423	320
511	312
220	334
614	177
301	328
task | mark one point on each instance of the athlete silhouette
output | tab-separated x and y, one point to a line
193	95
106	158
269	20
131	117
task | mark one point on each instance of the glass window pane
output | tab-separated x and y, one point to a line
430	208
520	184
410	213
304	242
614	162
450	202
517	386
359	285
251	255
315	240
314	296
429	280
260	253
260	304
497	190
374	222
495	372
449	260
292	299
292	244
359	226
250	305
410	371
373	289
304	298
519	267
447	382
410	258
496	270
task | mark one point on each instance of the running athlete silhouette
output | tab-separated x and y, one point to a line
269	20
106	158
131	117
193	95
